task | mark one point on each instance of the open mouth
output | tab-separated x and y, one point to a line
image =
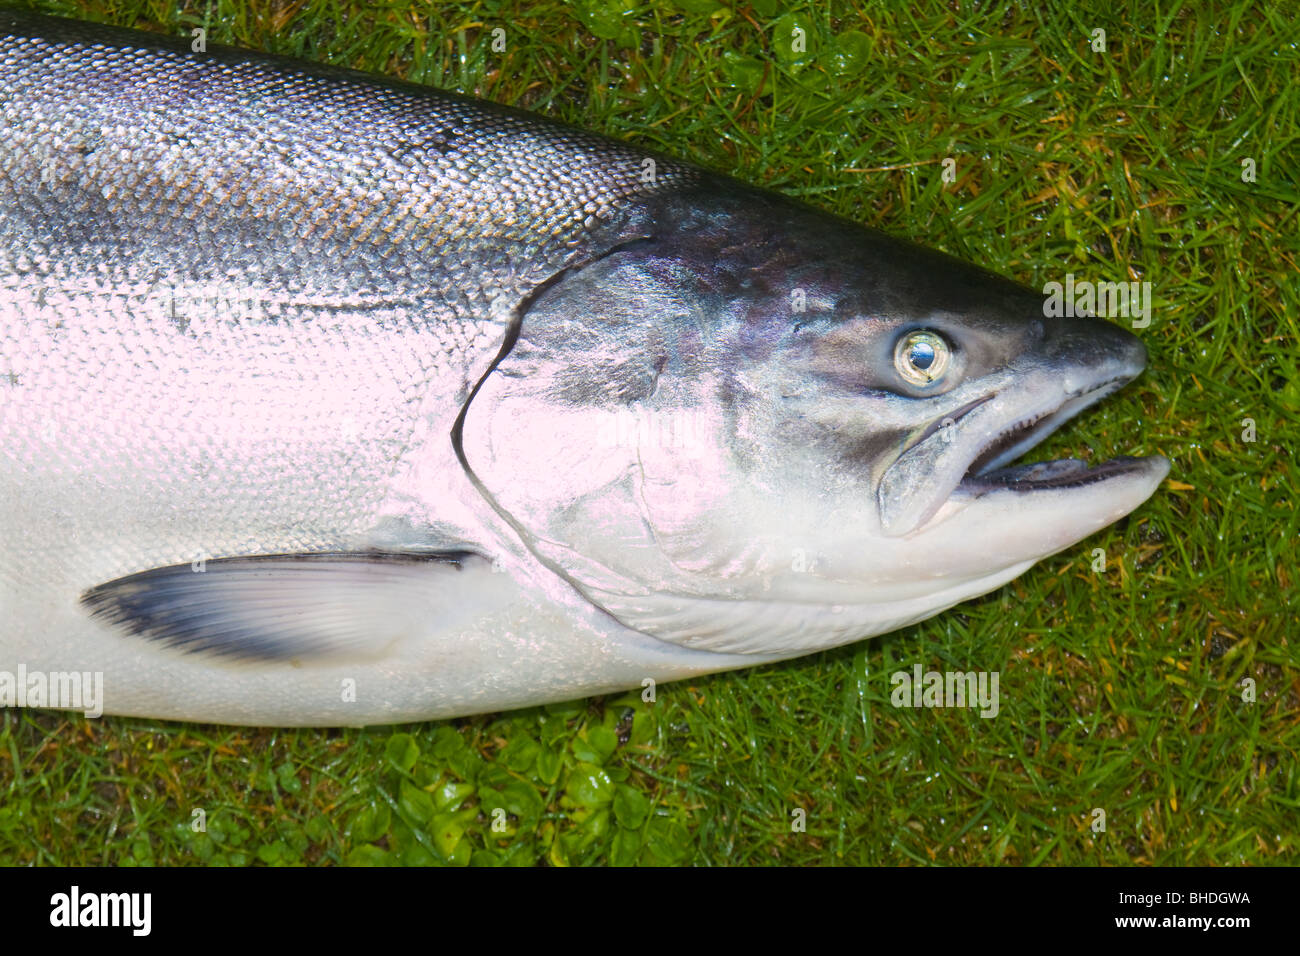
990	469
971	452
1063	473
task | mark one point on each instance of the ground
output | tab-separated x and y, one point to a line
1158	694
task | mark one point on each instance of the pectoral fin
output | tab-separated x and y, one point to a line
300	607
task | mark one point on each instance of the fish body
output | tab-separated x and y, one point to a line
327	399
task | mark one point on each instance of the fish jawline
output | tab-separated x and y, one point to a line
987	467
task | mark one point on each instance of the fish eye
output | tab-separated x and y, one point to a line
922	357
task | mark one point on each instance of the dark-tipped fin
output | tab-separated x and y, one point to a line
303	608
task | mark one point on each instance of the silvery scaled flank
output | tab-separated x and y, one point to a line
327	399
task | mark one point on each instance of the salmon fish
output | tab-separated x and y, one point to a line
328	399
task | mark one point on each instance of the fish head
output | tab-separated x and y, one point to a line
766	430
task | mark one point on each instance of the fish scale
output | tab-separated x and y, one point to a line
236	219
282	177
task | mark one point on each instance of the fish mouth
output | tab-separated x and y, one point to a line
1062	473
990	470
969	453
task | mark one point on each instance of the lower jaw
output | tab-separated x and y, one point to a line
1050	475
1032	511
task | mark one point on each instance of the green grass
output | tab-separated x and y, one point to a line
1120	690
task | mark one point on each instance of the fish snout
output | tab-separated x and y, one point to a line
1092	351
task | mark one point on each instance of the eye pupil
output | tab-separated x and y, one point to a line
922	355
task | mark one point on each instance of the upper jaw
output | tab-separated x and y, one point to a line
968	447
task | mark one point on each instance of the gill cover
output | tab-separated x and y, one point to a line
617	438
